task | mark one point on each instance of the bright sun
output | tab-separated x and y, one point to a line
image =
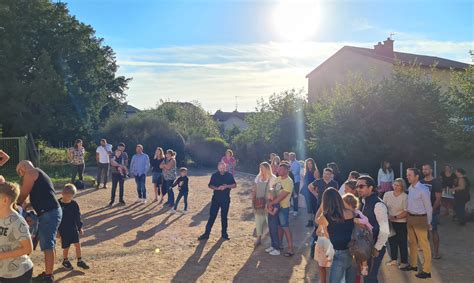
296	20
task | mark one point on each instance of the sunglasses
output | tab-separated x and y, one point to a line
361	186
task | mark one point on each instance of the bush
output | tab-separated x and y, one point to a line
207	152
151	132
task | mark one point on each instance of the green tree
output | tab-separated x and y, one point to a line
57	79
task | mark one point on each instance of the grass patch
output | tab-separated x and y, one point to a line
59	173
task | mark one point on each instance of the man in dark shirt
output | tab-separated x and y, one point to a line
318	187
221	182
436	189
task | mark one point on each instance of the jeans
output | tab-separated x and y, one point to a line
223	205
167	187
296	192
117	179
342	269
374	266
102	170
273	223
260	221
182	193
141	190
399	241
48	224
77	170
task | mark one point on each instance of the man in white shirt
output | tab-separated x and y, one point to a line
102	156
376	211
418	223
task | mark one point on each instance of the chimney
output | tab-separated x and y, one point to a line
385	49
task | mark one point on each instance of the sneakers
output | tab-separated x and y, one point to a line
122	202
269	249
184	212
295	213
274	252
203	237
67	264
403	265
172	211
82	264
423	275
392	263
144	200
225	237
43	278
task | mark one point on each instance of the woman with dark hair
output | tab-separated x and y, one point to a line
385	178
275	164
448	178
76	157
340	223
461	195
311	173
169	175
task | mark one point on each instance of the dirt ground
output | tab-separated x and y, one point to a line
144	242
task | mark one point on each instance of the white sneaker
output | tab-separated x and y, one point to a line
274	252
295	213
184	212
269	249
172	211
144	200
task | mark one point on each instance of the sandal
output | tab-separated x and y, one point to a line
289	254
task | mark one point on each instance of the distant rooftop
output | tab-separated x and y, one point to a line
222	116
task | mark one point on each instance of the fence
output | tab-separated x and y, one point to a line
16	148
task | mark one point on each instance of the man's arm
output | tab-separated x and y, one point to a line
280	197
381	215
425	196
437	203
4	157
147	165
27	185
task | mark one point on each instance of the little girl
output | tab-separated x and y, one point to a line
352	202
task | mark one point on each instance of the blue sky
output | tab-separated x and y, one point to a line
216	50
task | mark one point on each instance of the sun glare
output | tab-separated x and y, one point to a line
297	20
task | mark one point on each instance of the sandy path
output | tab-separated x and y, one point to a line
121	243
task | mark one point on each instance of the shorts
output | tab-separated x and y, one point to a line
69	238
322	246
435	221
48	224
156	178
284	217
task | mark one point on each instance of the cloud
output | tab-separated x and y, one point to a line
361	24
216	74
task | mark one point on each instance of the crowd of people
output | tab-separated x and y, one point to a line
353	220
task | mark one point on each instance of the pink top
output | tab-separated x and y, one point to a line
230	164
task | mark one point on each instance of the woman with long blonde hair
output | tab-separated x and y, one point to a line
263	182
157	174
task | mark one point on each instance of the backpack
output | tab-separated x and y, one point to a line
79	184
361	244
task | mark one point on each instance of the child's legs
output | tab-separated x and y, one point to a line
180	195
185	195
322	274
65	253
78	250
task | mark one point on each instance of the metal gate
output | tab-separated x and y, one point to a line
16	148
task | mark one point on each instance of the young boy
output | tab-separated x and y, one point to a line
15	240
71	226
182	183
274	249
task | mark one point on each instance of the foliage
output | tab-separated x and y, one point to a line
207	152
189	119
273	128
57	79
150	131
459	102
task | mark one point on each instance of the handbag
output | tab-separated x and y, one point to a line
259	203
